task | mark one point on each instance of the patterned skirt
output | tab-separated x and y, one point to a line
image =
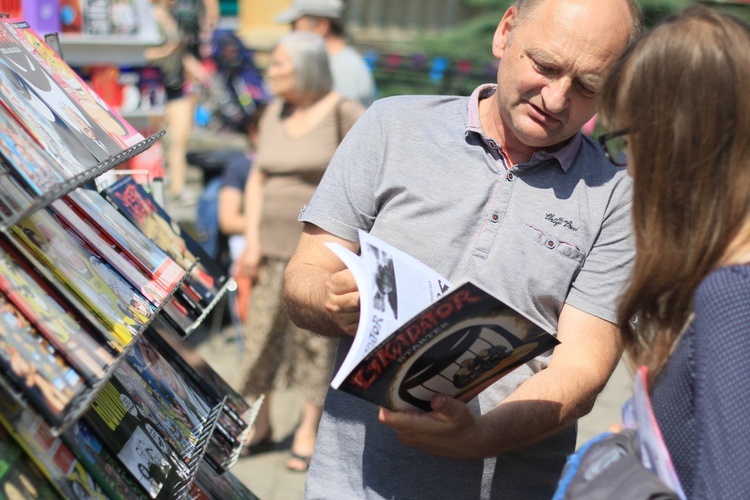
279	354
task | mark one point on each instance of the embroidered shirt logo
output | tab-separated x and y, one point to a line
561	221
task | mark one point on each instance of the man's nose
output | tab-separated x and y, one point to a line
556	95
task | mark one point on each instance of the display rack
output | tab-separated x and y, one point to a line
16	403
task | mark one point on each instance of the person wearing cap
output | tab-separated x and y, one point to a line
352	77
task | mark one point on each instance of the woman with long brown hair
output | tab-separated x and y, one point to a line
680	100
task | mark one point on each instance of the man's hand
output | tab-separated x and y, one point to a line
320	292
449	430
342	301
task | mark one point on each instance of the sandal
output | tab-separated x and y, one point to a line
302	460
262	446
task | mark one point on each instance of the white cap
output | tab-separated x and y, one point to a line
331	9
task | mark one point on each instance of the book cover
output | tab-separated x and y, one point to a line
53	457
106	125
27	92
30	162
19	476
33	366
206	278
48	312
106	294
130	239
121	419
99	461
419	336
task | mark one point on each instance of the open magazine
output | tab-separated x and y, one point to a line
419	336
637	413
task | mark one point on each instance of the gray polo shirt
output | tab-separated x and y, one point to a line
418	173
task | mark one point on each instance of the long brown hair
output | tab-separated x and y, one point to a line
683	92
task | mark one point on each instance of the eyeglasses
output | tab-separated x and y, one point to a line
616	146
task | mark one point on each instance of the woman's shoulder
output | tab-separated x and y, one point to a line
727	286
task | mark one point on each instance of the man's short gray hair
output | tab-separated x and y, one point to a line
526	7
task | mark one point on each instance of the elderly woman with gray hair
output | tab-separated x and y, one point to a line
298	134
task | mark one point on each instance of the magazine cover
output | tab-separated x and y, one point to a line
48	312
193	365
120	307
141	250
120	418
30	162
43	116
100	462
19	476
419	336
53	457
206	278
86	119
33	366
169	384
92	236
105	123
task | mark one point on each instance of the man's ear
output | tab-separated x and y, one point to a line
502	33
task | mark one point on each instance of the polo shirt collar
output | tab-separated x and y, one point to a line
564	155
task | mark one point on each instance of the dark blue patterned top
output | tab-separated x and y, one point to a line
702	397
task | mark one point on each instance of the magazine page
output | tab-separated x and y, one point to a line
100	462
92	236
126	425
639	414
393	287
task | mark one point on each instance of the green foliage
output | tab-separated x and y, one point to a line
472	41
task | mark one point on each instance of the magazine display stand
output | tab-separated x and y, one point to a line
92	387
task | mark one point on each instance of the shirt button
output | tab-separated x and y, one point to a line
494	217
510	176
493	144
550	244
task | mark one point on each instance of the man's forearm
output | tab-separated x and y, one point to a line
539	408
304	295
